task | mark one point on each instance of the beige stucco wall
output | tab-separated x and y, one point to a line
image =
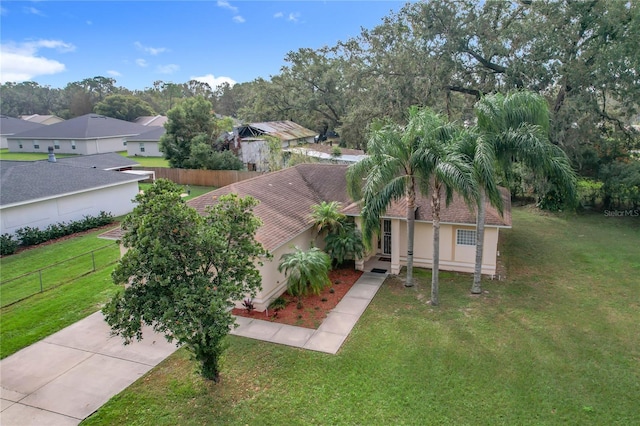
453	257
273	282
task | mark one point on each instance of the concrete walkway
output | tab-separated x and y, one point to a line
64	378
333	331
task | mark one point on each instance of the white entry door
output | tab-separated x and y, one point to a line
386	236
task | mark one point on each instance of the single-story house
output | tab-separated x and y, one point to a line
85	135
42	119
252	147
41	193
285	200
146	144
9	126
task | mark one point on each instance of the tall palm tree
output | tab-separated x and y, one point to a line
511	128
444	170
402	161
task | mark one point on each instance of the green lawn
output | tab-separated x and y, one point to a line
147	161
557	342
34	318
195	191
28	156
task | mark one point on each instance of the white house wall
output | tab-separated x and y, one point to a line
66	146
151	149
3	142
116	200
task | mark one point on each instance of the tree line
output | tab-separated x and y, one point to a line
445	55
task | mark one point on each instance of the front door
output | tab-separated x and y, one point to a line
386	237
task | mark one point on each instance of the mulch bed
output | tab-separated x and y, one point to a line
315	308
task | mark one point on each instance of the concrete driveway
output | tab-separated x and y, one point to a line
64	378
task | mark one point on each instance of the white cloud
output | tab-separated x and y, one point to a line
167	69
21	61
225	5
141	63
89	22
278	15
293	17
153	51
214	81
33	11
238	19
114	73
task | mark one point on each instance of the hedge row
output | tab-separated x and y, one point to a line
29	236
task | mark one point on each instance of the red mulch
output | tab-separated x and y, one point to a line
315	308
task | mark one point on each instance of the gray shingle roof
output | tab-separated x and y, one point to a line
106	161
23	181
88	126
152	135
11	126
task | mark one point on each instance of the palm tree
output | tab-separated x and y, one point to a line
511	128
326	216
445	171
345	244
305	271
402	161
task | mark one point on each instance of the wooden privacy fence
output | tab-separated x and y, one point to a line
217	178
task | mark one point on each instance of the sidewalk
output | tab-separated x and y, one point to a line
64	378
333	331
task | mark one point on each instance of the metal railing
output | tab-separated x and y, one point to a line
51	276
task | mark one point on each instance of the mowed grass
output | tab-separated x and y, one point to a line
556	342
33	319
195	191
147	161
28	156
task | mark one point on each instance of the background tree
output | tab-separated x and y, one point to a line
190	124
184	271
306	271
123	107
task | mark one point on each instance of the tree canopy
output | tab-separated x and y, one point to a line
183	271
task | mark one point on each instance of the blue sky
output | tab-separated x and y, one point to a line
139	42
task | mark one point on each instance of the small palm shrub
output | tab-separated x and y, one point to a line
345	244
306	271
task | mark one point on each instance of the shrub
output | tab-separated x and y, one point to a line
29	236
8	245
278	304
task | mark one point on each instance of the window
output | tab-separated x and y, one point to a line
73	144
251	167
466	237
36	144
142	147
124	143
20	144
56	144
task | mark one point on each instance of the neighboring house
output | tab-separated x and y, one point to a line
146	144
85	135
152	120
285	200
41	193
325	153
42	119
9	126
252	147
